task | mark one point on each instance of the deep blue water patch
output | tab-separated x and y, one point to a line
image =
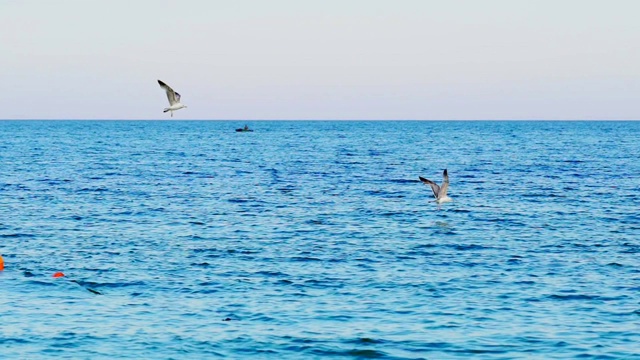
316	239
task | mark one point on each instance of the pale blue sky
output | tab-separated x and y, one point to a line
329	59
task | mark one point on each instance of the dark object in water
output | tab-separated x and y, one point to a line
88	288
94	291
244	129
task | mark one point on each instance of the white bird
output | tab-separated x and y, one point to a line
174	98
439	192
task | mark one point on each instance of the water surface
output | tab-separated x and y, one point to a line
316	239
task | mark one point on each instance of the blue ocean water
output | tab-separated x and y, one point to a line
309	240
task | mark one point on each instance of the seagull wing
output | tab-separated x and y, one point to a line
171	95
434	187
445	184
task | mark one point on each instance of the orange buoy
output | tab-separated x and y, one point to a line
1	263
58	274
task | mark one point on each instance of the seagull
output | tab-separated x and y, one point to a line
174	98
439	192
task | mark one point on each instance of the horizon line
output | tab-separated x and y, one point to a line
313	119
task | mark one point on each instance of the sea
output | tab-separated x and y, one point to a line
316	240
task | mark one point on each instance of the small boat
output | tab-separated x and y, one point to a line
244	129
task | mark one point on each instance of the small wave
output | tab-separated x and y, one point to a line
17	235
96	189
365	341
271	273
114	285
542	195
469	247
54	181
202	264
460	211
317	222
304	258
481	351
403	181
581	297
615	264
41	283
14	341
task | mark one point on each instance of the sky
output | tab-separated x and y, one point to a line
321	59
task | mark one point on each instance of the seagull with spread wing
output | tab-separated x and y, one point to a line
174	98
439	192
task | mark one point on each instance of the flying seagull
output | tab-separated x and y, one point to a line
439	192
174	98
